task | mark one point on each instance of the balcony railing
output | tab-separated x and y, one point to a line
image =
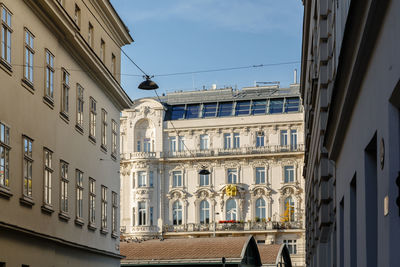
236	226
139	229
138	155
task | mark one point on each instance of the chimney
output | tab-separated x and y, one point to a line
295	76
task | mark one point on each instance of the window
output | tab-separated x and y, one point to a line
260	139
65	92
64	186
172	144
242	108
4	154
204	212
29	52
151	215
204	179
293	139
225	109
92	119
284	138
114	212
141	179
291	245
146	145
49	75
104	125
176	179
102	50
192	111
79	106
138	146
114	135
260	209
181	143
292	104
289	174
6	31
79	193
227	141
260	175
142	213
177	112
289	210
232	176
259	107
28	161
204	142
151	178
276	105
236	140
113	65
48	172
177	213
77	16
209	110
92	201
90	35
103	207
231	210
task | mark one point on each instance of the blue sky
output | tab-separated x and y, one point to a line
193	35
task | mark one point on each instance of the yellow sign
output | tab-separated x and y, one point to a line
231	190
289	210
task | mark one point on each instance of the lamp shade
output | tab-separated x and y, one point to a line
148	85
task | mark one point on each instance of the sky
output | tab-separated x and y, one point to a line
175	36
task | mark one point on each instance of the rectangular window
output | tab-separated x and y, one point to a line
209	110
242	108
293	139
29	52
192	111
104	125
114	136
113	65
142	179
92	119
292	104
151	215
172	144
284	138
79	106
176	179
4	154
275	106
289	174
114	212
64	186
204	179
260	139
92	201
204	142
225	109
181	143
28	161
49	75
291	245
90	35
227	141
77	16
259	107
146	145
48	172
236	140
232	176
6	31
260	175
151	178
177	112
102	50
138	146
65	92
79	194
103	207
142	213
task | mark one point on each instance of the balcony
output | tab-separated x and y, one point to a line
141	229
139	155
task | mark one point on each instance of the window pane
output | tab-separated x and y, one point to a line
225	109
276	106
192	111
177	112
259	107
242	108
292	104
209	110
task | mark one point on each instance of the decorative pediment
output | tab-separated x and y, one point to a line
177	194
260	190
204	193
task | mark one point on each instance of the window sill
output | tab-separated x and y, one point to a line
5	192
28	85
113	157
48	101
103	149
79	221
91	226
92	139
6	66
79	128
46	208
64	116
26	201
63	216
103	231
114	235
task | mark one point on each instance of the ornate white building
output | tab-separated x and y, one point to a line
250	141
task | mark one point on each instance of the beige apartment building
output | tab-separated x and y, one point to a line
60	100
351	92
250	141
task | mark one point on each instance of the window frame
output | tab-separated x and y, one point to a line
114	139
29	61
65	78
47	176
204	142
5	138
27	150
204	215
289	174
104	125
177	213
80	102
260	179
234	172
79	193
49	75
104	207
142	213
114	213
92	202
177	179
77	16
6	25
92	118
64	207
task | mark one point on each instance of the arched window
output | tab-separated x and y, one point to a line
289	209
231	209
177	213
260	208
204	212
